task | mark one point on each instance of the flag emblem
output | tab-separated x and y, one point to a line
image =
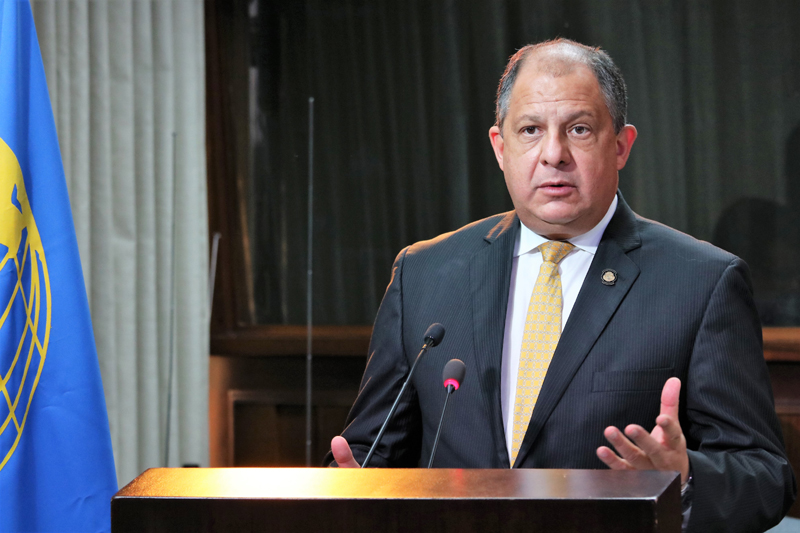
24	301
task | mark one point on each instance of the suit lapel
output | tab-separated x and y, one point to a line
490	275
593	309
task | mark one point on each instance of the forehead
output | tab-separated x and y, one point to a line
555	80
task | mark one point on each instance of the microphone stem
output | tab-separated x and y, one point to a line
394	406
450	390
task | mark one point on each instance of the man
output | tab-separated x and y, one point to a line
659	330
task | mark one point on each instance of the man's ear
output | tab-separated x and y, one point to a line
496	138
625	139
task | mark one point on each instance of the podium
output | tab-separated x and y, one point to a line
397	500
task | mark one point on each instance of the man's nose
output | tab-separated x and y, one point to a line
555	151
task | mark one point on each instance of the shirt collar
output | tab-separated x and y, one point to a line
588	242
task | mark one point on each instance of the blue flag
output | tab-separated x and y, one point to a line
56	463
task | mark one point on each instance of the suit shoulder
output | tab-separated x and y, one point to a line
467	239
658	238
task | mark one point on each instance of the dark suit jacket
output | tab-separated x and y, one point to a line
679	307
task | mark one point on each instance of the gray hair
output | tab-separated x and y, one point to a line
609	77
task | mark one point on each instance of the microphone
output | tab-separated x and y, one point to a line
453	376
433	336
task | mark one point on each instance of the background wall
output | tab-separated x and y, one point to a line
404	96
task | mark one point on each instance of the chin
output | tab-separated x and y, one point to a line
556	219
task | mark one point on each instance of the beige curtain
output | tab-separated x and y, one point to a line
126	81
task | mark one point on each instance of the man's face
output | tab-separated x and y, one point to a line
558	151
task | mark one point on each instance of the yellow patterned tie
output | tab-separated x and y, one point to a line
542	331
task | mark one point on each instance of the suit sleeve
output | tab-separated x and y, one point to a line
387	369
742	478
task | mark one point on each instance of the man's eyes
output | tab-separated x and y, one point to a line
577	130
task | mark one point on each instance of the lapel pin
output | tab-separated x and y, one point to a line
609	277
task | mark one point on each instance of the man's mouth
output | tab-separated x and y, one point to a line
556	188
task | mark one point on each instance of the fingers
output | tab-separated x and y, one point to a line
611	459
670	396
632	455
647	443
671	431
342	453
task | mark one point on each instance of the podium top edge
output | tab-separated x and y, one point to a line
413	483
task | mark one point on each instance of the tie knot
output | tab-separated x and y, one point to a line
554	251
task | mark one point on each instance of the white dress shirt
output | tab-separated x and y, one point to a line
524	271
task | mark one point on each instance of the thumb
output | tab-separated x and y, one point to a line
670	397
342	453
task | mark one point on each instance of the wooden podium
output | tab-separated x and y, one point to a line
398	500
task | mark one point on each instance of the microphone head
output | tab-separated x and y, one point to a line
434	334
453	373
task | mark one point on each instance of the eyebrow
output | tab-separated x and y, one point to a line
569	118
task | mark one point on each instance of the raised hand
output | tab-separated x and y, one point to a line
664	448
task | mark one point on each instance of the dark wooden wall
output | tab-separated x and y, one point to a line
257	407
782	352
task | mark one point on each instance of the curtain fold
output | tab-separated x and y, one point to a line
127	82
